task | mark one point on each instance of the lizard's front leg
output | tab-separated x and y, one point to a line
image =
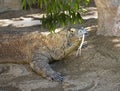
40	64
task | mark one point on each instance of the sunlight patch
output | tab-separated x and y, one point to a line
19	22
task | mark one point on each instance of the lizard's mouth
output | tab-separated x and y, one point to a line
84	33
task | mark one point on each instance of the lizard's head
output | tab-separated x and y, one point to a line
76	38
76	33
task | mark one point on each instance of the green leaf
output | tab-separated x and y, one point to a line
55	10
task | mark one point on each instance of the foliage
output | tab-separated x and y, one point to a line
59	12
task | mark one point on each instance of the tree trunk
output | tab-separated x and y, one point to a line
108	17
6	5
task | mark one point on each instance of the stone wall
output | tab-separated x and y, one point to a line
6	5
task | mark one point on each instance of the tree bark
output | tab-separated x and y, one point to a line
6	5
108	17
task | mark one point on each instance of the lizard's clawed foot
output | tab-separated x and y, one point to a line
57	77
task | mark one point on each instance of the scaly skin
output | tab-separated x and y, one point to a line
38	50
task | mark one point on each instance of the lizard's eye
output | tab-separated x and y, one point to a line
71	30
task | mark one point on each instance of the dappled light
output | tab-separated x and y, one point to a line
91	13
19	22
117	45
116	42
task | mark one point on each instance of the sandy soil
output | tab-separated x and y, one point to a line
97	69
